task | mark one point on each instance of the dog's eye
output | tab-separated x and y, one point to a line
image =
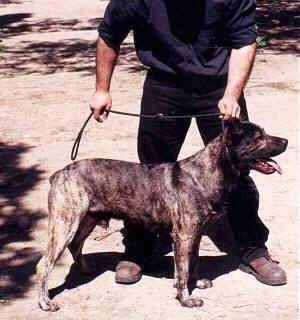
259	137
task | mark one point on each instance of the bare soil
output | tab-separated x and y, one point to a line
47	77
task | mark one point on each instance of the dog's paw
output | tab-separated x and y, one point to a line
204	284
48	306
191	302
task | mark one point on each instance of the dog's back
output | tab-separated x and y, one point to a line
136	190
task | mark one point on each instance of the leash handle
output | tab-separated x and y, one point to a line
76	144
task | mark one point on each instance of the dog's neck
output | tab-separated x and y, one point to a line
210	170
228	162
217	154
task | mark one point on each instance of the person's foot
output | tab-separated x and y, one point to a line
266	271
128	272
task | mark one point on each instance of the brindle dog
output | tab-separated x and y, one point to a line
183	196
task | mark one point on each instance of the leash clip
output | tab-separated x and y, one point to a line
159	116
222	122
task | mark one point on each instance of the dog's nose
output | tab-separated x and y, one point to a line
285	143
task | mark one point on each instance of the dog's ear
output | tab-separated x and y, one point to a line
234	125
233	131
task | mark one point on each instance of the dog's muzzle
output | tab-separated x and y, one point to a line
268	165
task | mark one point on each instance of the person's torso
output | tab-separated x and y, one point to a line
184	37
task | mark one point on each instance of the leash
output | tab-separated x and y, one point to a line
158	116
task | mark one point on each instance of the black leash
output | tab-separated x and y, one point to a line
78	138
158	116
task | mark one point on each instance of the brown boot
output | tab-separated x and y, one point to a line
138	244
265	270
128	272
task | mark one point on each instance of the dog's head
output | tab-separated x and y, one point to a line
252	148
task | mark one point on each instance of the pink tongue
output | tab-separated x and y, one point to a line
274	165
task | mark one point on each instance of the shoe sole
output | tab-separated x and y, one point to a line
260	278
131	280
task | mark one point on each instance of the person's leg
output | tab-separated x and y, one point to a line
248	230
159	140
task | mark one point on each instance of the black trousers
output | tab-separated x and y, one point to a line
160	140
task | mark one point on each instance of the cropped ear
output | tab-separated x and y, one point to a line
233	132
234	125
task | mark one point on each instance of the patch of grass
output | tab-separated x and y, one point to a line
261	42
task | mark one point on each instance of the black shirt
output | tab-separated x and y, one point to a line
186	37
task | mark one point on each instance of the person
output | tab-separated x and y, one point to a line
199	56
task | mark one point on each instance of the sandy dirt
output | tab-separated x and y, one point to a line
47	53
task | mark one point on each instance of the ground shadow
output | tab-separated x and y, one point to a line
8	20
23	23
45	57
158	267
6	2
278	23
72	55
16	221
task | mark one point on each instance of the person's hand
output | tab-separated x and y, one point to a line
101	104
230	107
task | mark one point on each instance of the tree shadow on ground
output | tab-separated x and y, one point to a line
16	222
278	22
73	55
6	2
160	267
7	22
22	23
47	57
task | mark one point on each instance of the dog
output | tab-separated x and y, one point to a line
183	196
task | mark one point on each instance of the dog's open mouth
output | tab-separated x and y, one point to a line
266	166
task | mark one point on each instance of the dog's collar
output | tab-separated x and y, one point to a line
230	162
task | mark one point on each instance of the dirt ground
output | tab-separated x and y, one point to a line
47	77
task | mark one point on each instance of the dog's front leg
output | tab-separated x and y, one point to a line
183	259
194	274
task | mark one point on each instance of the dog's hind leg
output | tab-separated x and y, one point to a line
60	235
67	207
86	226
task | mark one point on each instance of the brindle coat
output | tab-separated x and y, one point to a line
182	196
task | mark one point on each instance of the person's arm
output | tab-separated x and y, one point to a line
240	65
241	38
106	57
119	18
